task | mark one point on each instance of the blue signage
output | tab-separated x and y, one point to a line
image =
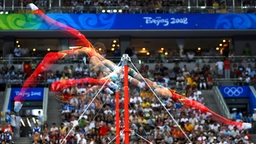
130	21
156	21
235	91
32	94
239	92
252	102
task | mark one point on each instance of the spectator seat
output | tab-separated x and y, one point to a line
239	10
223	11
211	11
20	11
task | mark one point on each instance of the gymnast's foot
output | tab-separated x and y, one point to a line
33	6
112	85
141	85
107	90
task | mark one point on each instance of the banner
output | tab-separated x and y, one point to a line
130	21
32	94
252	102
235	91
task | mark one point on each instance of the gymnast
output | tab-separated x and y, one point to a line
110	70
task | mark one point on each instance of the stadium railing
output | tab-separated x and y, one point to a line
221	103
137	9
139	59
232	81
19	83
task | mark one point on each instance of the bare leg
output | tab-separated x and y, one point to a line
109	64
136	82
93	89
97	66
163	92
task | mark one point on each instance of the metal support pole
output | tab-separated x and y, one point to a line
12	5
59	3
189	6
4	5
21	5
234	6
50	4
126	100
117	117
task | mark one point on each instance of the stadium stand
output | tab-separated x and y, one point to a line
147	117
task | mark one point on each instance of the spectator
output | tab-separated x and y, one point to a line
6	137
180	81
197	69
33	65
24	52
78	69
129	51
117	52
36	137
202	82
247	50
237	116
209	81
220	66
241	68
231	55
65	70
39	118
82	140
249	69
79	8
227	68
36	129
190	81
247	80
85	71
134	56
45	128
62	139
14	122
71	70
186	72
17	52
215	6
202	138
191	56
254	120
8	118
54	129
176	69
63	77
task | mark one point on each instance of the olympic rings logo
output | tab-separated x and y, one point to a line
233	91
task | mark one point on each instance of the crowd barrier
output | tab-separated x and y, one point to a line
135	10
139	60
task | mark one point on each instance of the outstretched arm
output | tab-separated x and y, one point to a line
89	50
51	21
60	85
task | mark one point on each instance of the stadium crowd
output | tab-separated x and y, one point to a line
147	116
